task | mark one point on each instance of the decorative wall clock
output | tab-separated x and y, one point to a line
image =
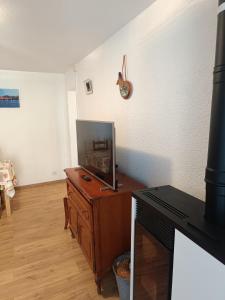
125	86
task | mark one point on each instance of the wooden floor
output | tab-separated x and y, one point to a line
38	259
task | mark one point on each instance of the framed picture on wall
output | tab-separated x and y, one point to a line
9	98
88	86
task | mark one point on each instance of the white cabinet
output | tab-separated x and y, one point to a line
196	274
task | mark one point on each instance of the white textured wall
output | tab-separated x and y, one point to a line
70	78
35	136
72	115
162	131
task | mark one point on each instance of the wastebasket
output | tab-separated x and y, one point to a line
121	269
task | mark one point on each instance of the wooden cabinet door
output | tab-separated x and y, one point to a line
73	219
85	239
81	204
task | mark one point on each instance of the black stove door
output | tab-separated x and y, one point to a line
152	265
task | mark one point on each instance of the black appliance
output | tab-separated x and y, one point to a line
215	171
162	210
154	239
159	212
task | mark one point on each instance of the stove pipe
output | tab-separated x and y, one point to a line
215	170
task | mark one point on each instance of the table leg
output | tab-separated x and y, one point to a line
7	205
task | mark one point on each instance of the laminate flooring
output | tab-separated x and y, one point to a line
38	258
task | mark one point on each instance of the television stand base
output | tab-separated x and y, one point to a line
106	188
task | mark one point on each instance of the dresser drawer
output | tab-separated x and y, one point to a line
70	188
81	204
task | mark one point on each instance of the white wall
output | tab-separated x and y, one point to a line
72	116
35	136
162	131
70	78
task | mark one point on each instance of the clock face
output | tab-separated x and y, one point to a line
124	91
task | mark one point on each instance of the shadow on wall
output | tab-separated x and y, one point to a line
149	169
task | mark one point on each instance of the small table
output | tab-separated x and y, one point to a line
7	183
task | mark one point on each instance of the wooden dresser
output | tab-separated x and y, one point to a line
99	220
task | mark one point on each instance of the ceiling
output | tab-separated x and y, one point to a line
51	35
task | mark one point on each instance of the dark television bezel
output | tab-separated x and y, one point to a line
113	187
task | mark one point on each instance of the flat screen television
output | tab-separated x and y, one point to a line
96	149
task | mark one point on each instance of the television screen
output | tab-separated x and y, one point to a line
96	151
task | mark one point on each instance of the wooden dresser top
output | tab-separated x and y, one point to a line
92	189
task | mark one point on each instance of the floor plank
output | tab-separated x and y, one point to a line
38	259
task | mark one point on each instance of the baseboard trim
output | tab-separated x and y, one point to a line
39	184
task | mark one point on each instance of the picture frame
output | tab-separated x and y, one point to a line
88	86
9	98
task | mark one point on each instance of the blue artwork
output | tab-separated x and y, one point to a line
9	98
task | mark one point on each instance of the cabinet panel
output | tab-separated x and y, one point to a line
85	240
84	208
73	218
